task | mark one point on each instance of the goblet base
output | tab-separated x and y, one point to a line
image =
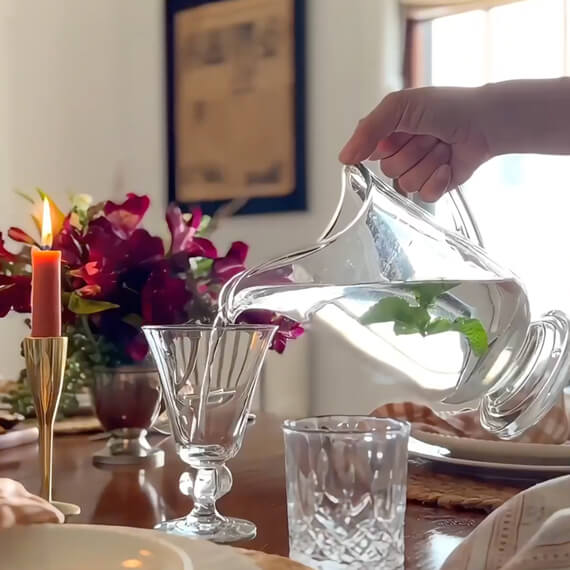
226	531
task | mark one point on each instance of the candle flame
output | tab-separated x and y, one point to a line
47	235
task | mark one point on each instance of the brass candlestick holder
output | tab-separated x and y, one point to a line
45	365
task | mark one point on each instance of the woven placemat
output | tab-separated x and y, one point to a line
271	561
73	425
77	424
451	490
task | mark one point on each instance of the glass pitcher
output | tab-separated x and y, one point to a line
456	324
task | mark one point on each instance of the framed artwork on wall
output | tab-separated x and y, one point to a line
236	104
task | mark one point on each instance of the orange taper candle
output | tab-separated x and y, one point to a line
46	283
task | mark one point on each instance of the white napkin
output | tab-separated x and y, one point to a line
530	531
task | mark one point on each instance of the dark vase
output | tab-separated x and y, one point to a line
127	402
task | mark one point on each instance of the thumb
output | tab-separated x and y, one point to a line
380	123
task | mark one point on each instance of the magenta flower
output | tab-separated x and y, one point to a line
69	242
15	294
184	238
164	297
288	329
137	348
224	268
111	256
126	217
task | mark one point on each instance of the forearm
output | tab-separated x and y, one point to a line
527	116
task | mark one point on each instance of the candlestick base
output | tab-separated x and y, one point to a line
45	365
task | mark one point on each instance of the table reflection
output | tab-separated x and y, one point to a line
130	494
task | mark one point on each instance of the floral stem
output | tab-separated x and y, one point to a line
87	329
84	320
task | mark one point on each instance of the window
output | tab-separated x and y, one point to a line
520	202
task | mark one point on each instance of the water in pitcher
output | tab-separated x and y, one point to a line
446	361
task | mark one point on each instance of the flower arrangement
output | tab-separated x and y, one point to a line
116	277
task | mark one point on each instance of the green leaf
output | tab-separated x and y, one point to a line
202	267
405	328
204	223
82	306
475	333
387	310
427	293
133	319
439	326
421	318
472	329
409	318
25	196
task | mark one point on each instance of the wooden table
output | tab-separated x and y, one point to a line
141	499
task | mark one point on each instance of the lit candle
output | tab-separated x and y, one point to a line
46	283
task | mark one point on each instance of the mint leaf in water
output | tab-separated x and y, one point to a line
439	326
427	293
387	310
472	329
475	333
405	328
407	318
411	319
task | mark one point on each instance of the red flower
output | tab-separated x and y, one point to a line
164	298
288	329
183	234
70	242
21	236
126	217
98	282
89	291
224	268
137	348
141	248
111	256
15	294
115	251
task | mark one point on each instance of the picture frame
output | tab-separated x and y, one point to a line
242	63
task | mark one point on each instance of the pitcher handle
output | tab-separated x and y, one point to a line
463	217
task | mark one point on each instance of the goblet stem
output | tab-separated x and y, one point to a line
225	481
205	492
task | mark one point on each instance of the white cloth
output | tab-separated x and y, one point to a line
19	507
530	531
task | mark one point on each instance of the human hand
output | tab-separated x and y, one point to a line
428	139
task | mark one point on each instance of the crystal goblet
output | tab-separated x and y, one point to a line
208	376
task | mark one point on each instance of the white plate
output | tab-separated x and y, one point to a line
206	555
501	451
89	547
441	454
98	547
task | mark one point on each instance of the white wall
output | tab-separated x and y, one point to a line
81	105
82	109
354	61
